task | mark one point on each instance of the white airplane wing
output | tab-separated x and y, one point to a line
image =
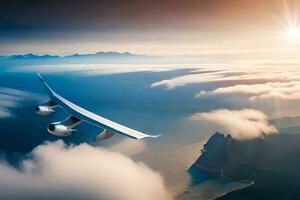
80	114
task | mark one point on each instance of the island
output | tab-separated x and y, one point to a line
271	163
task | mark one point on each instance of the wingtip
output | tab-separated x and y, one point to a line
148	136
40	77
154	136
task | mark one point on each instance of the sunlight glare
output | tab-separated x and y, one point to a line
292	33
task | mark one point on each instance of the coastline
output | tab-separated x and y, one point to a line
210	184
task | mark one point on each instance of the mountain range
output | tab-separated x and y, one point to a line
99	57
95	55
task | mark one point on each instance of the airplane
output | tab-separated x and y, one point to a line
77	115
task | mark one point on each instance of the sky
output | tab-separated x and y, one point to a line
167	27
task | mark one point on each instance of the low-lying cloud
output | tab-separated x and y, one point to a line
235	74
187	80
128	147
100	69
282	90
11	98
241	124
56	171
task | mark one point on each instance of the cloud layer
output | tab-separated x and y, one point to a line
269	86
100	69
236	73
241	124
188	79
283	90
56	171
11	98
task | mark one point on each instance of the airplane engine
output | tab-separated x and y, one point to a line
43	110
63	128
59	130
105	134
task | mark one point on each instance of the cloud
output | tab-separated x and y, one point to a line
128	147
282	90
11	98
241	124
235	74
187	80
200	76
100	69
56	171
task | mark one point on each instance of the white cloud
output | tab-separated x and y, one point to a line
235	74
282	90
101	69
56	171
11	98
241	124
188	79
128	147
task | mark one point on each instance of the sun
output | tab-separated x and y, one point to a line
292	33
